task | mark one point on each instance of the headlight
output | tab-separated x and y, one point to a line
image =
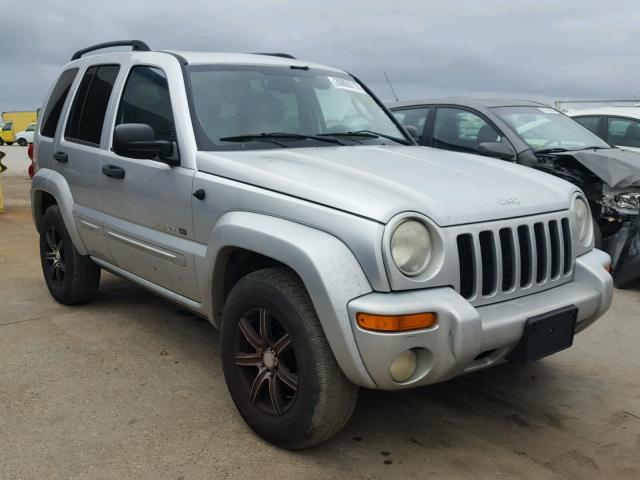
411	247
583	221
628	201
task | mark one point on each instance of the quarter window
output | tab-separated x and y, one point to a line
623	132
56	102
589	122
145	99
413	117
461	130
89	108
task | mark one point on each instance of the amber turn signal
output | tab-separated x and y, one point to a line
396	323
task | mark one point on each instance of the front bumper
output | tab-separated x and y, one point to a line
467	338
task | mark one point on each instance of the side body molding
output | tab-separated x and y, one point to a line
50	181
329	270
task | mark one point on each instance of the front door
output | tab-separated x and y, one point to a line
147	203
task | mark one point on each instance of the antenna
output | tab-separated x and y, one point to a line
390	86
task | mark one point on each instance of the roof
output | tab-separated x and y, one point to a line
469	102
633	112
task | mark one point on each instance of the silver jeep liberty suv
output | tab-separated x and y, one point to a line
280	200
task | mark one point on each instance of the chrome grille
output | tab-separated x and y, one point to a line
497	261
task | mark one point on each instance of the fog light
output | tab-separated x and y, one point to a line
404	366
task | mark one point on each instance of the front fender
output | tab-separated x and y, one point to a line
328	269
51	182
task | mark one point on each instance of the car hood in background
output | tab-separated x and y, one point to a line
617	168
378	182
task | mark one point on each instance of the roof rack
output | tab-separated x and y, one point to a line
281	55
136	45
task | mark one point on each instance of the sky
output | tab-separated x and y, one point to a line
540	50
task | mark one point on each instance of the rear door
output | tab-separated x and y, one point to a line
77	152
148	221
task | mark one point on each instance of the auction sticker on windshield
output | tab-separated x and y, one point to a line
346	84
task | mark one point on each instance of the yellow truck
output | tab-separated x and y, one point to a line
13	122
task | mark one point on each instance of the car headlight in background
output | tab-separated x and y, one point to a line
629	201
584	222
411	247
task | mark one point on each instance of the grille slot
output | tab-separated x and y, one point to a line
487	253
541	252
556	253
508	260
566	243
526	267
511	261
467	265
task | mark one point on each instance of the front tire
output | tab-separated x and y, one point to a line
70	277
279	368
22	142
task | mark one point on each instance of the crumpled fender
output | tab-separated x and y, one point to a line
624	248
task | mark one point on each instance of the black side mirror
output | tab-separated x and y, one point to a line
138	140
503	151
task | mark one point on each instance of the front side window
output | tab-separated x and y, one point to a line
462	130
623	132
145	99
89	108
56	102
589	122
413	118
7	127
546	129
234	105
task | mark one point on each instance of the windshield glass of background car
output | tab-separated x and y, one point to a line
246	100
543	128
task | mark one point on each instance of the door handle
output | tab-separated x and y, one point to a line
113	171
61	157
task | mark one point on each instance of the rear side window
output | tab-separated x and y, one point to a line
86	117
56	102
589	122
145	99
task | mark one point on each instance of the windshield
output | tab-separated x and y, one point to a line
249	106
544	128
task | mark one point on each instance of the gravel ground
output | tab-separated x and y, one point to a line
131	386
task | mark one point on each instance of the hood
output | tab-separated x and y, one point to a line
378	182
617	168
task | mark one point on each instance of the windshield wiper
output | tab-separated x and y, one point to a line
367	134
278	135
551	150
593	148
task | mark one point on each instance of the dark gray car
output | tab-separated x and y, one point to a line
538	136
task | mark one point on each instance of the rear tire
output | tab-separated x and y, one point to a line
22	142
71	278
279	368
9	143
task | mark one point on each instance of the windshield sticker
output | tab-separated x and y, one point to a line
346	84
548	110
